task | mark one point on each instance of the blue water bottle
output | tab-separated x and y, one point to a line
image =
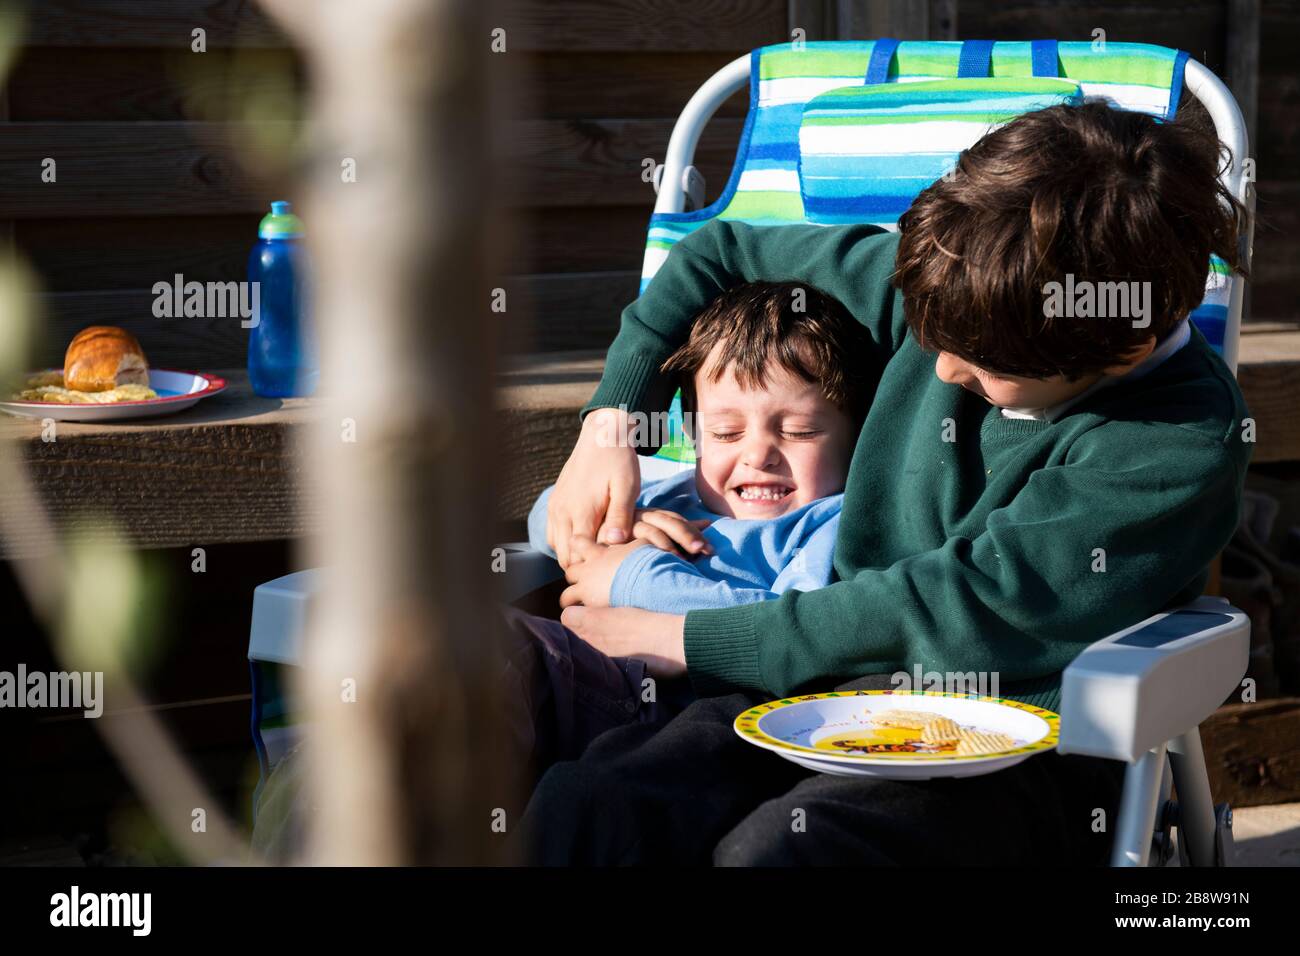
282	357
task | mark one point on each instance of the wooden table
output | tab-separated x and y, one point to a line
224	470
228	470
1268	370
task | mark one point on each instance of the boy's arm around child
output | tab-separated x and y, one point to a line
666	582
1088	525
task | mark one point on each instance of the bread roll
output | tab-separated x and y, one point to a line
102	357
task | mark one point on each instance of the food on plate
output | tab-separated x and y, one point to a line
979	742
70	396
917	732
943	730
103	364
890	740
907	719
104	357
46	379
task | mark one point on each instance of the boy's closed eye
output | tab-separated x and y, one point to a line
793	434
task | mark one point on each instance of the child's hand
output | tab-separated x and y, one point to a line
596	491
669	531
591	570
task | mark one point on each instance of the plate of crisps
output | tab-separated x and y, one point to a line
43	395
901	735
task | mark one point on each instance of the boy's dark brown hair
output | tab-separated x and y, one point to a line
797	326
1100	193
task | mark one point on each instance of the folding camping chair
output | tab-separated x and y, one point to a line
805	155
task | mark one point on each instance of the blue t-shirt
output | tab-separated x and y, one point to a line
753	560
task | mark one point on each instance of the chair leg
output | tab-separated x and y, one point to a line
1163	845
1196	822
1137	809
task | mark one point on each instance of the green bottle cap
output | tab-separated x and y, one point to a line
280	223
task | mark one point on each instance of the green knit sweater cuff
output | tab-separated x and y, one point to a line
722	650
623	383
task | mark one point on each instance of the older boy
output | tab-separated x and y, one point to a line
1008	448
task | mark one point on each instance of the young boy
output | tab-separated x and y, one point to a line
773	415
1025	483
773	402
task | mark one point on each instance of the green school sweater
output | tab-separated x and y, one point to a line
967	541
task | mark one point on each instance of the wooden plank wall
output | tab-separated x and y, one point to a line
1277	235
166	158
157	149
607	82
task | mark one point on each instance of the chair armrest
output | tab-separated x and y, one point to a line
280	616
280	605
1149	683
526	570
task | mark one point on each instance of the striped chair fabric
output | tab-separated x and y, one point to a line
805	156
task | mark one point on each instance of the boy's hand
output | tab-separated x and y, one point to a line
669	531
591	570
658	639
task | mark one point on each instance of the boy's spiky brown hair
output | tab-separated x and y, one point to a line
794	325
1100	193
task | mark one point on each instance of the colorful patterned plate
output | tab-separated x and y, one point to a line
176	391
818	731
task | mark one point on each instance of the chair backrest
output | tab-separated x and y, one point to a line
807	153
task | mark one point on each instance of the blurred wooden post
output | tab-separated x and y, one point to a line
406	462
6	225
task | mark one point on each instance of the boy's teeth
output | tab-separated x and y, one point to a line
753	493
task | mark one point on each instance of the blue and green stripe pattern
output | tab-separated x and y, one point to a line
823	145
866	152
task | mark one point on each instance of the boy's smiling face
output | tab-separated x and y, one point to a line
764	452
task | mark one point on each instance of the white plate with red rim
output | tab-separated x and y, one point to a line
177	390
819	731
